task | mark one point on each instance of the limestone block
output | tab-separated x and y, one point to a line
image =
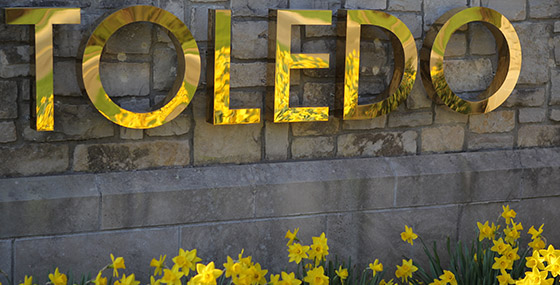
129	156
67	38
8	100
557	50
493	122
443	138
527	97
6	258
490	141
7	132
316	128
33	159
249	39
312	147
315	4
555	87
135	38
405	5
73	122
444	115
65	79
418	98
412	21
276	141
176	127
555	115
433	9
318	94
409	119
366	4
544	9
164	69
531	115
477	78
538	135
321	46
248	74
482	41
256	8
131	134
377	144
457	45
375	123
534	37
125	78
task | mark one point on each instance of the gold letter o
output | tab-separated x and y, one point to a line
183	90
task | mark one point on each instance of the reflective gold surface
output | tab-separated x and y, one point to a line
285	61
405	63
43	19
188	67
509	59
220	113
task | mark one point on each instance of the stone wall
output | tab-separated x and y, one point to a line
141	193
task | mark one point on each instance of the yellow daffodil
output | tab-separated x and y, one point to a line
158	264
229	267
537	244
342	273
549	252
554	266
207	274
244	260
448	277
502	263
153	281
383	282
508	214
538	277
58	278
408	235
274	279
511	254
319	249
505	278
297	252
534	233
291	236
405	270
173	276
316	276
535	261
28	280
99	280
376	266
486	231
116	263
258	275
289	279
130	280
437	282
186	260
500	246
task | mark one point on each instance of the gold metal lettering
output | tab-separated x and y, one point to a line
405	68
188	72
509	60
285	61
43	19
219	112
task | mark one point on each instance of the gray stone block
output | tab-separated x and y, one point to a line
412	20
377	144
544	9
530	97
534	37
532	115
418	98
249	39
164	69
8	100
405	5
313	147
477	79
538	135
178	126
267	245
443	138
73	122
400	118
378	234
276	141
33	159
555	115
433	9
555	87
239	72
444	115
514	10
6	259
7	132
540	174
125	78
130	156
142	200
130	134
135	38
48	205
318	94
457	46
65	79
494	122
375	123
490	141
482	41
365	4
329	127
137	247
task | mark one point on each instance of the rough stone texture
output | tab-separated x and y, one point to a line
128	156
555	115
444	138
365	4
555	88
316	128
434	9
461	81
412	20
418	98
490	141
6	257
375	123
482	41
33	159
48	205
135	38
444	115
457	45
544	9
125	78
532	97
312	147
8	100
405	5
7	132
131	134
249	39
276	141
493	122
531	115
537	135
73	122
66	79
164	67
533	37
409	119
178	126
318	95
239	73
557	27
514	10
320	46
377	144
136	247
557	50
315	4
256	8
